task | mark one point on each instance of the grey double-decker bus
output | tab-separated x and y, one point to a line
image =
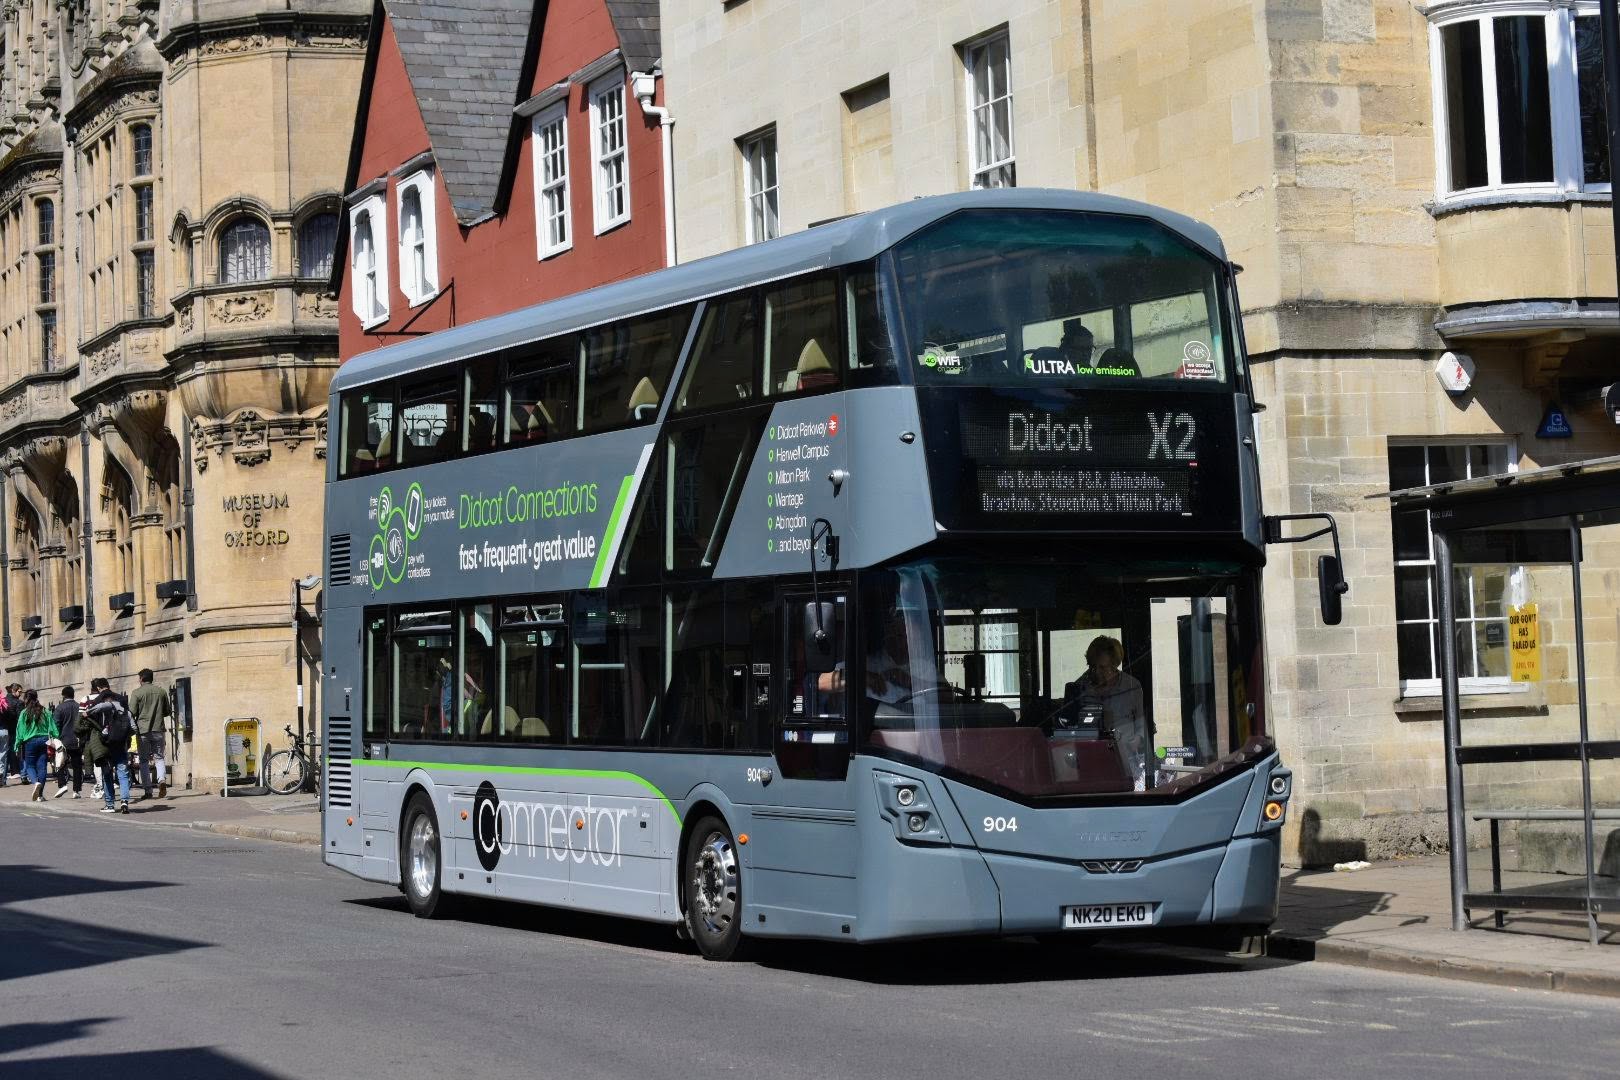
897	578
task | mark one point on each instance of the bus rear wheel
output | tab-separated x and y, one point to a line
713	890
420	859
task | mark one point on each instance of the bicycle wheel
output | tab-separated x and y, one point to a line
284	772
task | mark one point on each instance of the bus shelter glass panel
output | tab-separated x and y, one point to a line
1600	627
1061	299
1522	738
1062	680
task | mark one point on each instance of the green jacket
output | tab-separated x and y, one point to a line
149	707
33	723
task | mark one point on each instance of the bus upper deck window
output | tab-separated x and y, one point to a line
870	346
721	371
368	432
429	422
801	337
480	429
627	366
542	385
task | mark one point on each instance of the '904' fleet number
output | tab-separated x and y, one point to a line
1001	824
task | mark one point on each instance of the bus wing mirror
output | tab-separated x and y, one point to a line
1330	587
820	638
1330	583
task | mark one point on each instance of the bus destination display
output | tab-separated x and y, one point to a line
1154	464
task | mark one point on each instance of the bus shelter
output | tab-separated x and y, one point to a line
1525	592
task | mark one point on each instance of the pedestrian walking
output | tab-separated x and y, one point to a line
10	710
35	728
71	760
104	732
150	707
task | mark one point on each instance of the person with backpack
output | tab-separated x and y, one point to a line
72	756
35	728
105	732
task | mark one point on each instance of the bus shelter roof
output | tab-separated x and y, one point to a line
1589	488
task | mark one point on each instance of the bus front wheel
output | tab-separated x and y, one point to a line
420	858
714	890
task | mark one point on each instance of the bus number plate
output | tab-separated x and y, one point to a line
1109	916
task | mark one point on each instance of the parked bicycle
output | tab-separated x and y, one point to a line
294	769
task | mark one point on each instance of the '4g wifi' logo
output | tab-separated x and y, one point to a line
397	526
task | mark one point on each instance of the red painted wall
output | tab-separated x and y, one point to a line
494	264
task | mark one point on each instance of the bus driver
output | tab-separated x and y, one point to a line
1116	696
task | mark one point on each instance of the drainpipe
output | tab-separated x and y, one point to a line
644	85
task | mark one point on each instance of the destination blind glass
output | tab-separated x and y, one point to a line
1107	460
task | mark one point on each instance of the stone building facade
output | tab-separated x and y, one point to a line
1399	181
170	182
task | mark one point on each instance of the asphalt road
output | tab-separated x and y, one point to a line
130	949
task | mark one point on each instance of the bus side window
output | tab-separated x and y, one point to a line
721	371
802	348
707	467
627	366
870	346
429	422
377	676
368	431
542	386
480	429
619	658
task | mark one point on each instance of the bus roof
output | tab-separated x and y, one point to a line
838	243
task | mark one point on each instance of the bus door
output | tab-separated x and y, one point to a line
802	850
813	729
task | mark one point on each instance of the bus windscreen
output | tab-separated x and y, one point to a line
1061	299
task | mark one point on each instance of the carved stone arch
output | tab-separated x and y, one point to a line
224	213
325	201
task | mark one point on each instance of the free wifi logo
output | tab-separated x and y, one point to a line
397	526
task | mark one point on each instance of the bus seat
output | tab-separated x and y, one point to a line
532	727
813	369
643	400
384	449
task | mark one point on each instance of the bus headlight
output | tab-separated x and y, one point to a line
905	796
1279	784
916	823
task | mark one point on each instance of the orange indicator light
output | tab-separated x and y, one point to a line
742	838
579	823
1274	810
464	815
351	821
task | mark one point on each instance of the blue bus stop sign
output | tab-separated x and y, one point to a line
1553	424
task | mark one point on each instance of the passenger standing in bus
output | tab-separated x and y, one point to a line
1117	696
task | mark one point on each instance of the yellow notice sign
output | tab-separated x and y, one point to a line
1524	640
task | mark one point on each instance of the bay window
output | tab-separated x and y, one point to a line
1518	98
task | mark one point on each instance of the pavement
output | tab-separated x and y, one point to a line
1391	916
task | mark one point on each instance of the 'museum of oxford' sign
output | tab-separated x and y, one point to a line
251	510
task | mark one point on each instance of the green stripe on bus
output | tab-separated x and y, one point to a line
615	519
524	770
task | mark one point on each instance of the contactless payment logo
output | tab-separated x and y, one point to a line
397	526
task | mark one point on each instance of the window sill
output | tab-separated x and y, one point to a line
1526	702
604	229
1500	198
372	324
556	251
425	299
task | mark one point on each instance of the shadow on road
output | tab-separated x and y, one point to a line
190	1063
15	1038
20	883
37	944
935	962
